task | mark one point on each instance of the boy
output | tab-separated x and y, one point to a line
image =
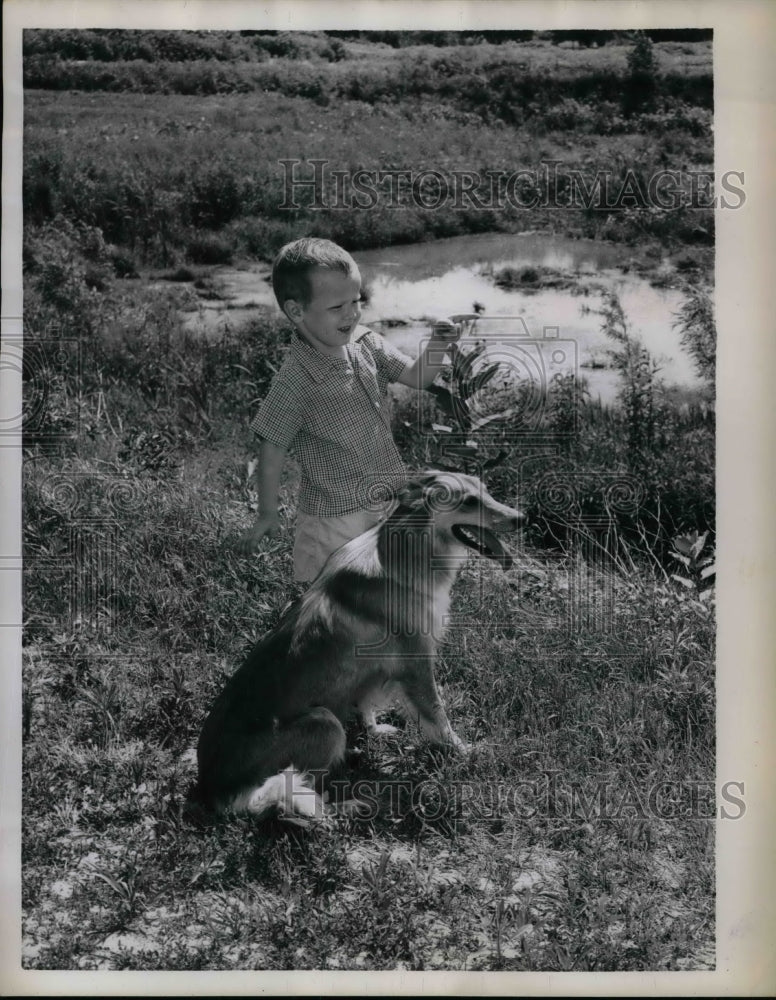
329	401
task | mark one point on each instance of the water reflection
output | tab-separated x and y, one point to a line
409	283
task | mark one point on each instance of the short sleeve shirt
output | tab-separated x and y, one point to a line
334	414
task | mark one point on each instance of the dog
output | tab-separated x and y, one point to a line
361	638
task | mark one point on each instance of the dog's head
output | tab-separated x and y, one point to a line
460	504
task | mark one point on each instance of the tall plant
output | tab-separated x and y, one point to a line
695	322
461	383
641	83
637	393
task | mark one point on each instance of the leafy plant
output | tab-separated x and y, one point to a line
695	321
641	83
699	568
127	891
463	382
637	392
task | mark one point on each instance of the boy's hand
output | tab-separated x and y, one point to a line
447	329
248	542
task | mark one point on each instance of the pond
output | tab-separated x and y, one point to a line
560	301
451	276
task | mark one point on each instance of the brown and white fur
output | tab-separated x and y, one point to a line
362	637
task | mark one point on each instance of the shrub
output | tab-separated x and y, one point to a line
183	274
695	322
67	264
215	195
209	249
262	238
626	478
641	82
337	51
147	181
41	180
110	45
638	383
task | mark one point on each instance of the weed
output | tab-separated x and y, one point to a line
127	893
695	322
698	567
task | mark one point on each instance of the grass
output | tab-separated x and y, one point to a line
303	63
185	177
112	710
579	835
114	703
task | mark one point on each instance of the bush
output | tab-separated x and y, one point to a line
642	81
695	322
209	249
68	264
114	45
502	81
215	195
262	238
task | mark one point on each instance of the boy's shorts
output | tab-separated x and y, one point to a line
317	537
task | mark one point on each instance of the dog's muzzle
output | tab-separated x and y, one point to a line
483	540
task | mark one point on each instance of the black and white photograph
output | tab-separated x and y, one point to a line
365	416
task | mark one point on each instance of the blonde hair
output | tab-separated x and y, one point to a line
295	261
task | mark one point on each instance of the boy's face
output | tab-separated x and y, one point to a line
332	314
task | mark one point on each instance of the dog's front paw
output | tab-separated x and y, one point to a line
458	744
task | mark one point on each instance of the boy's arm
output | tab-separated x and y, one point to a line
431	360
271	459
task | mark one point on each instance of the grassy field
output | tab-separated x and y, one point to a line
171	173
579	834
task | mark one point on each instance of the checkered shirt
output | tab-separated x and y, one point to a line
335	416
